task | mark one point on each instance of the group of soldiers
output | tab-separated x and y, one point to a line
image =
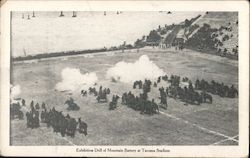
189	95
15	110
137	83
140	103
32	116
92	90
101	95
113	103
65	125
186	94
216	88
145	86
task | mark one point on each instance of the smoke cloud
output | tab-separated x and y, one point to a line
73	80
141	69
15	91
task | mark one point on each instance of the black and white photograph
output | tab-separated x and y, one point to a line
124	78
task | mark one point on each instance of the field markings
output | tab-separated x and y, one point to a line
224	140
194	111
70	142
200	127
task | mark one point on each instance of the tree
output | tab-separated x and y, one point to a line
153	36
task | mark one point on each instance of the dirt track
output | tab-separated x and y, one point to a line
207	124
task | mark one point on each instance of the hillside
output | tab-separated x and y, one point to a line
218	19
223	31
213	32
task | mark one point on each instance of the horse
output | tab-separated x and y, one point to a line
233	92
159	79
23	102
155	84
72	105
15	111
113	103
82	127
43	116
108	91
71	127
37	106
155	107
29	119
148	108
197	98
43	106
62	125
124	98
163	97
206	96
102	97
83	93
92	91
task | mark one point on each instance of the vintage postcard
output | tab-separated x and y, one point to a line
144	78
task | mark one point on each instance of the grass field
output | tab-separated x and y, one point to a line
208	124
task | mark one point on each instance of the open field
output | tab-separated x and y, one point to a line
208	124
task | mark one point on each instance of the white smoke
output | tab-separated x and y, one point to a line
15	91
73	80
139	70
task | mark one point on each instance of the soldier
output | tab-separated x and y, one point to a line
100	90
43	116
43	106
82	127
164	99
67	117
159	79
124	96
197	84
36	120
140	84
28	116
134	85
64	127
32	106
190	86
23	102
108	91
37	106
167	90
155	84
